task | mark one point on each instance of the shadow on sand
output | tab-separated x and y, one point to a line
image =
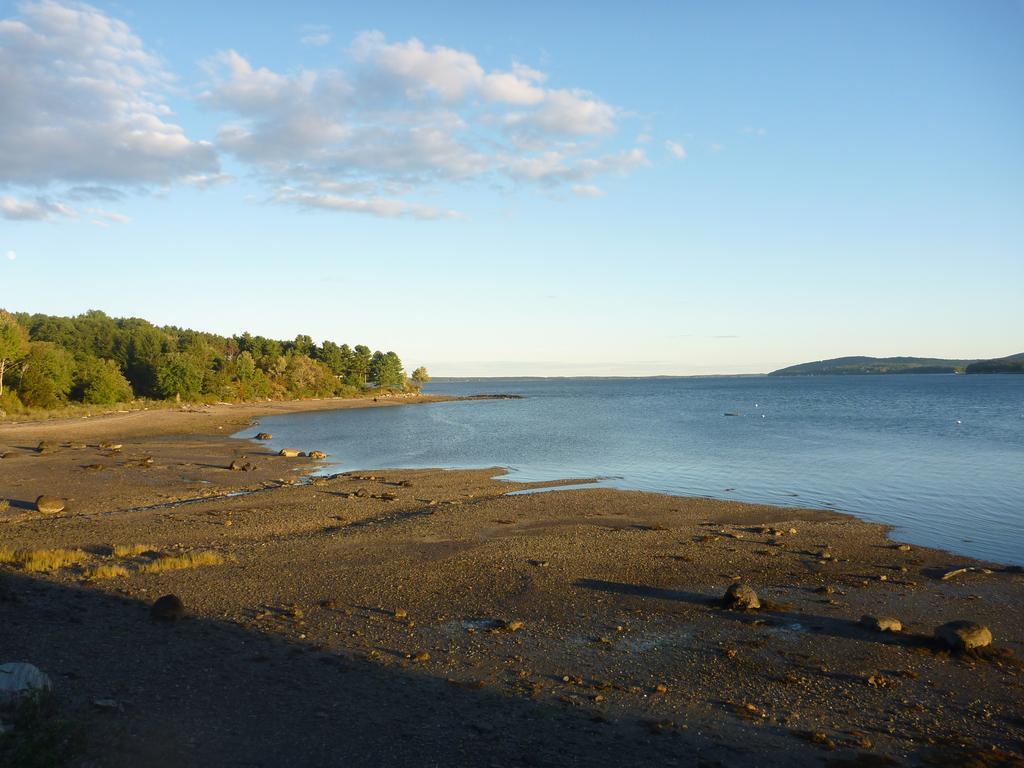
205	692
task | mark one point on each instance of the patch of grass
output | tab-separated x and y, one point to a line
132	550
5	504
42	560
108	572
181	562
7	556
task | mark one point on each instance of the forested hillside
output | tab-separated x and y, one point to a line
48	361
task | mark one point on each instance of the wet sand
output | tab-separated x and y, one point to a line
373	618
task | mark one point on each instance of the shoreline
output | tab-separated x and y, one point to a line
570	625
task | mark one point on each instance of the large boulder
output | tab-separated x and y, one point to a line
291	453
19	679
741	597
167	608
50	505
963	635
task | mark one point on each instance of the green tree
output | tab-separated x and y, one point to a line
139	348
13	343
47	375
359	371
306	377
386	370
420	377
245	366
303	345
102	383
338	359
179	375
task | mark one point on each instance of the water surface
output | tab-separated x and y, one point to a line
939	457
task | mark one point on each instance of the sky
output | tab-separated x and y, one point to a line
530	188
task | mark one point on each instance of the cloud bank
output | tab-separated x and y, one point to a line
82	104
381	132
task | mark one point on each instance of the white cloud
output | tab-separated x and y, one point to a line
716	147
11	255
446	72
82	105
107	217
377	206
752	131
587	190
316	35
567	113
559	167
403	118
39	209
676	150
207	180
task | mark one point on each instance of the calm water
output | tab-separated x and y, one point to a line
940	457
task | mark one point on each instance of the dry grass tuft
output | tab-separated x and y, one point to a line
181	562
7	556
108	572
5	505
132	550
41	560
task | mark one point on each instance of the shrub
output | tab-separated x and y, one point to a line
101	382
46	375
181	562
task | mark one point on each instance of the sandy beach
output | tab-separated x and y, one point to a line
427	617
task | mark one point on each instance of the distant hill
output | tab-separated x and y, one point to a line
866	365
1011	364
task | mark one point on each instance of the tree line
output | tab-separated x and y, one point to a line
47	361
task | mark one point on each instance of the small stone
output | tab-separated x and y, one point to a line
421	657
401	613
825	590
236	466
512	626
661	688
50	505
45	446
290	453
903	547
882	623
317	455
264	436
107	445
389	497
964	635
167	608
741	597
361	493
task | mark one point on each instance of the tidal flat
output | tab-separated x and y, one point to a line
428	617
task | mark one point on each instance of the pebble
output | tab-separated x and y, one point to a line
882	623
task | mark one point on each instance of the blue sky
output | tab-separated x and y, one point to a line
534	188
